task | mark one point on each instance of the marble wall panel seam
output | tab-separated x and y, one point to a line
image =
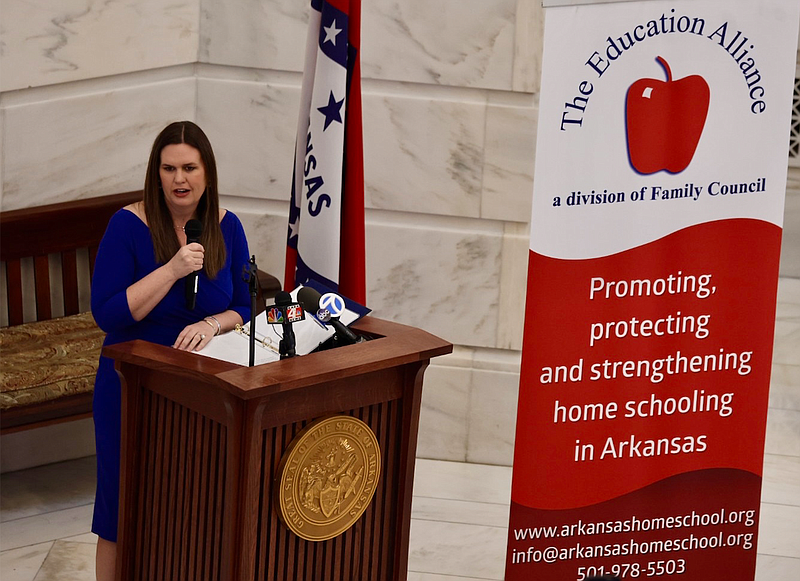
263	206
424	91
528	43
514	99
513	288
447	92
497	359
469	413
433	221
213	71
484	358
483	200
98	85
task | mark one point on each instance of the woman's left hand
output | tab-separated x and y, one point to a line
194	337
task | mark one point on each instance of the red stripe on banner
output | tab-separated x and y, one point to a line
345	6
352	264
558	417
288	272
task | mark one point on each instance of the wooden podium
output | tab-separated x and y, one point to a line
202	440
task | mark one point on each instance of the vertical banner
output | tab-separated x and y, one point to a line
660	179
325	241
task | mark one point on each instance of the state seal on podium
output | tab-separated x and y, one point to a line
327	477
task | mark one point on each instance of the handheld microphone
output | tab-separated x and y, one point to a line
193	230
285	313
328	308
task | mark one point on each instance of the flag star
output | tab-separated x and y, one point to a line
331	32
293	229
332	111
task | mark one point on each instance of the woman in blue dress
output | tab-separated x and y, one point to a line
138	289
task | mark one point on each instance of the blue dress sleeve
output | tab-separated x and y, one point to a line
114	272
240	256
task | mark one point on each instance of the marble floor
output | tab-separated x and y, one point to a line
459	513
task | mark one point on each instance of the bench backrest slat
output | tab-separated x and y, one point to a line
41	270
69	281
14	284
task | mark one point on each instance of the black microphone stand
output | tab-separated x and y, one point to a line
287	344
252	278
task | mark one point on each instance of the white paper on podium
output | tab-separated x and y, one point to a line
309	334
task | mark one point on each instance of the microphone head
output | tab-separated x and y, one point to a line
309	298
193	230
282	298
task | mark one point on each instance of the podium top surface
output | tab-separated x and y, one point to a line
392	345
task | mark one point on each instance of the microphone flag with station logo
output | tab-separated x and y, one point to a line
328	309
325	240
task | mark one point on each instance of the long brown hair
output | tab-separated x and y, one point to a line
157	213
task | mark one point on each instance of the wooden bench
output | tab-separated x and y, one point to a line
50	344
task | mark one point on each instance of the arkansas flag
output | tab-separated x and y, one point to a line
326	215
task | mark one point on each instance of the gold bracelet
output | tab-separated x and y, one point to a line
219	327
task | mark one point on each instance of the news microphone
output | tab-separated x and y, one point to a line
328	308
193	230
285	312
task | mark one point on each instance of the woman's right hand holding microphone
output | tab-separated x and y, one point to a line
187	260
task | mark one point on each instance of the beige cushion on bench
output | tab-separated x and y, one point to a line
45	360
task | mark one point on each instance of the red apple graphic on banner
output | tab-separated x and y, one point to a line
665	120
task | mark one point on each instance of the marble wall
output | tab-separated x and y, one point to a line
450	91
